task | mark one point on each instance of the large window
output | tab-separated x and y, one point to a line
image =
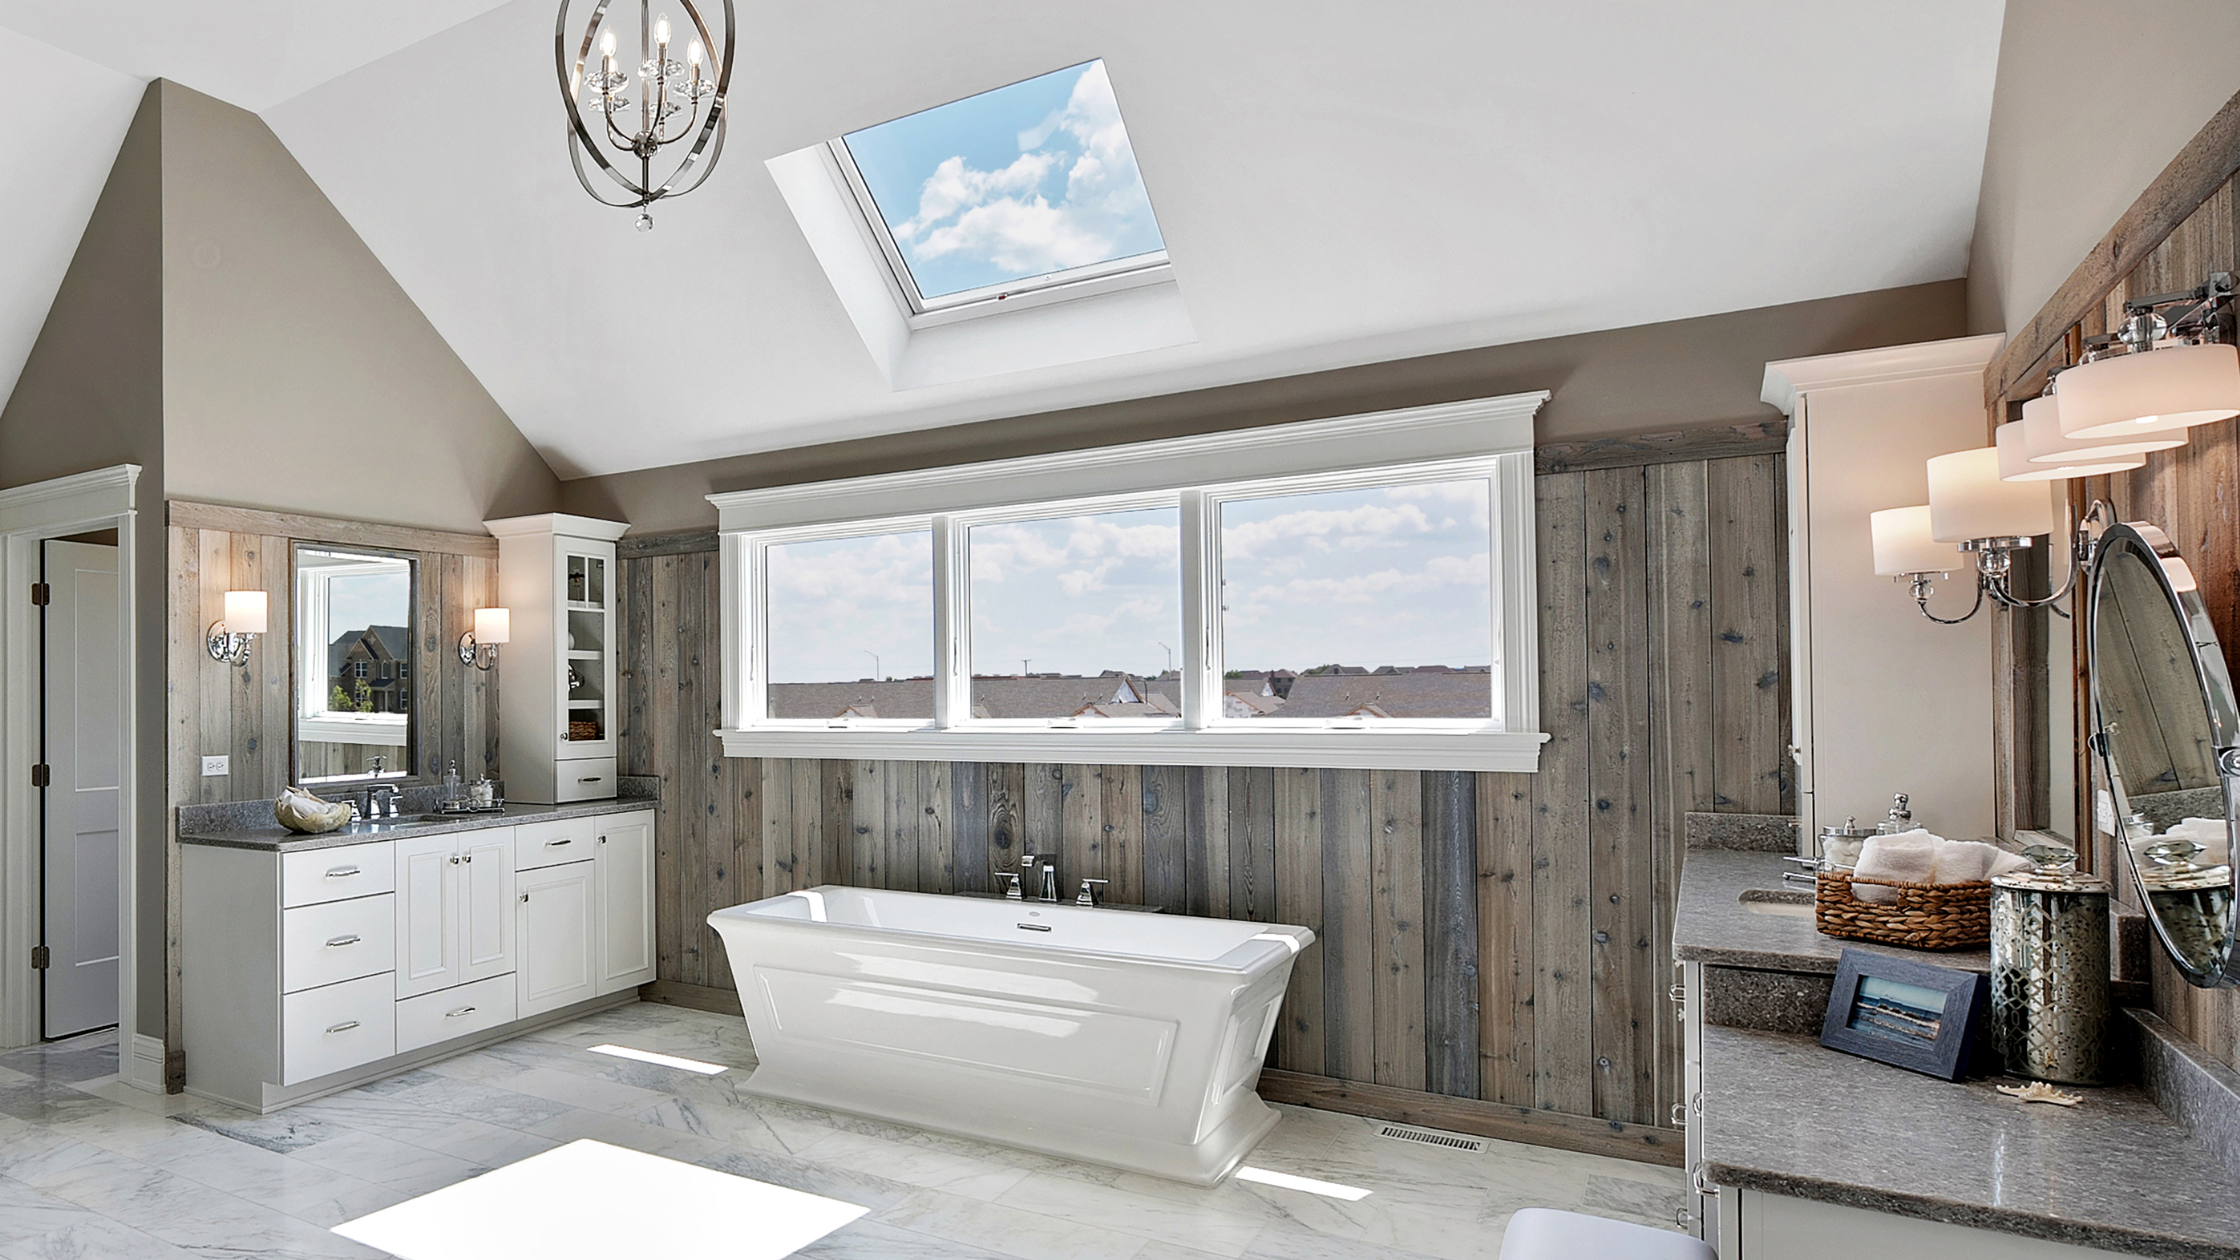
1277	597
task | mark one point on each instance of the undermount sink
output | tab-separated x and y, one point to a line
1792	902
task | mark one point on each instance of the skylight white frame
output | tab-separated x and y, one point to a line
1487	438
920	311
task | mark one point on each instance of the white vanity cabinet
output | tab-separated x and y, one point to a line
315	970
556	573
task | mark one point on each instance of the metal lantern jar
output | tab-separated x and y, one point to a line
2050	1000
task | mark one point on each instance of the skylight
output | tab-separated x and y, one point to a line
1014	190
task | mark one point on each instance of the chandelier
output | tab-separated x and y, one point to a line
622	121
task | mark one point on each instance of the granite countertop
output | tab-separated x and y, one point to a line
1784	1115
1714	925
278	839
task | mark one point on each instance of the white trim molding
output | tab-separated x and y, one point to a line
56	508
1488	439
1786	380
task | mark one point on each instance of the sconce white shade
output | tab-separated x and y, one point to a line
2152	391
245	612
1967	499
493	626
2015	465
2043	442
1902	544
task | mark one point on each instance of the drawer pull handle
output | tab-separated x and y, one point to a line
342	872
343	1027
340	941
552	843
464	1010
594	778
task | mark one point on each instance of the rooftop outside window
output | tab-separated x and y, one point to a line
1018	189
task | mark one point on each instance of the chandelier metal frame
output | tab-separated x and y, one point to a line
654	82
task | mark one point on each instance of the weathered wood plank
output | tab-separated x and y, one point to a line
671	850
777	827
1121	813
1747	667
937	862
1505	972
1680	774
1619	886
1450	916
1007	794
1348	960
1042	812
1396	939
1166	816
1206	851
903	813
973	861
1299	895
1252	844
867	835
1562	1024
679	543
1634	450
1081	851
219	518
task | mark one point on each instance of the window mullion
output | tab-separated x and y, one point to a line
952	623
1201	612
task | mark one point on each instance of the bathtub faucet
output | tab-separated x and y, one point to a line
1038	879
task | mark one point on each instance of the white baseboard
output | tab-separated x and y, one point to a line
143	1066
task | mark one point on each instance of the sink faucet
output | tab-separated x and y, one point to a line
381	796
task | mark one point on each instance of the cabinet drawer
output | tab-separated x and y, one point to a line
354	870
339	1026
337	940
553	843
455	1012
591	779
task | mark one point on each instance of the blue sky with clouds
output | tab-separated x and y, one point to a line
1397	575
1019	181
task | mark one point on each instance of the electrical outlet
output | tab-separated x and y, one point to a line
214	766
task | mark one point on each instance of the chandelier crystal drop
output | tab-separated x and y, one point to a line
624	111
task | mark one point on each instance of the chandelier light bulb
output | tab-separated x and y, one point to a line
661	31
692	54
606	44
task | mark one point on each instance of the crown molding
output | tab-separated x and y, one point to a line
1787	379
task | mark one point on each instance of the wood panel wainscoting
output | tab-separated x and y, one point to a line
245	712
1494	949
2183	227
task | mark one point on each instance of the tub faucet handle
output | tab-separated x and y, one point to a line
1092	892
1011	884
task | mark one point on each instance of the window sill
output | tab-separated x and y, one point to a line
1500	751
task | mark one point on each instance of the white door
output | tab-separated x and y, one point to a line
428	882
83	752
486	917
558	961
624	856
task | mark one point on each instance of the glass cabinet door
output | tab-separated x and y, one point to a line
585	661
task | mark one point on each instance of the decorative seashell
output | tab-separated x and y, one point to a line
2039	1091
301	812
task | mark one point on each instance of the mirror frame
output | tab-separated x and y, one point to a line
2175	580
417	729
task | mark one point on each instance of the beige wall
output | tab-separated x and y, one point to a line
297	375
1631	380
91	396
2092	102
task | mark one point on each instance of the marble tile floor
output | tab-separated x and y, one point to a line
92	1168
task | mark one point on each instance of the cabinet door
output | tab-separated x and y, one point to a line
625	918
427	914
486	916
559	963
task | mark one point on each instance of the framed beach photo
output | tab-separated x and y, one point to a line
1904	1013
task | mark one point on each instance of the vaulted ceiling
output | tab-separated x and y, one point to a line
1336	183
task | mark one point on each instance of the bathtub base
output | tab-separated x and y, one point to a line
1205	1163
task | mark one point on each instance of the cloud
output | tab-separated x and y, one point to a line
1008	218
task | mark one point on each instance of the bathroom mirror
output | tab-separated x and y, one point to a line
355	690
2166	728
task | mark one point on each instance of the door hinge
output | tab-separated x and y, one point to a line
41	775
40	594
38	958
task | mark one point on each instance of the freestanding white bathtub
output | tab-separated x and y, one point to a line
1112	1036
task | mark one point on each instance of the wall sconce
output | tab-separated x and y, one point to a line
479	647
2159	373
1903	548
1989	518
244	620
2043	442
2013	445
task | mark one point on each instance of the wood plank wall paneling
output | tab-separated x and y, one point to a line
1489	937
246	712
2186	225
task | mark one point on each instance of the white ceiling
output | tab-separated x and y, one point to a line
1336	184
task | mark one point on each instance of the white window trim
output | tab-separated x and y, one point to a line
1489	438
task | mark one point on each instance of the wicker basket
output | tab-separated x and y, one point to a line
582	730
1925	916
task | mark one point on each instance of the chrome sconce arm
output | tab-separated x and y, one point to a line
479	655
229	649
1995	569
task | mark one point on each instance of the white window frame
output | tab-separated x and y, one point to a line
314	721
1486	438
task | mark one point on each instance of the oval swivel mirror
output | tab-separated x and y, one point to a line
2167	729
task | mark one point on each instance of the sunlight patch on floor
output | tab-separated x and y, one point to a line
665	1060
1328	1189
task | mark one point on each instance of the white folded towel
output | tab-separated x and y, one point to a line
2214	837
1964	861
1910	857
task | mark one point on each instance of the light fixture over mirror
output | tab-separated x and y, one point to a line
2169	367
2015	464
1974	510
2043	442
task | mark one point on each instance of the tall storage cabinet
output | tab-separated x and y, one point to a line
556	695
